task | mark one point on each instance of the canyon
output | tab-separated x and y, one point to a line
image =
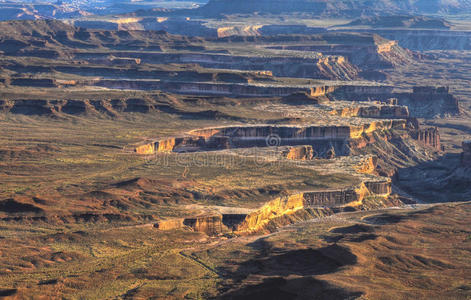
272	149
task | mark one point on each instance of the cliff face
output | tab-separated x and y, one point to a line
273	209
300	132
430	101
289	205
318	66
367	166
299	153
466	155
401	22
51	107
211	225
336	140
145	149
423	101
429	137
371	54
259	30
426	40
203	88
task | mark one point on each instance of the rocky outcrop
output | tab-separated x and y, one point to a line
72	107
299	153
466	155
426	39
208	224
33	82
423	101
268	30
145	149
204	88
377	110
401	22
379	187
376	54
429	137
211	225
315	96
312	66
275	208
327	141
288	205
336	8
431	101
367	165
292	133
169	224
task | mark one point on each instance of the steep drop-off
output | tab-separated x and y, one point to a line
323	200
322	138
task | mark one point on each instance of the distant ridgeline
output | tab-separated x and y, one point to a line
335	7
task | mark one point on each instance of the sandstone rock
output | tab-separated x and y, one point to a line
145	149
305	97
368	165
329	141
169	224
429	137
299	153
466	155
421	102
211	225
288	205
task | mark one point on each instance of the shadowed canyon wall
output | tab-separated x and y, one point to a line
466	155
321	138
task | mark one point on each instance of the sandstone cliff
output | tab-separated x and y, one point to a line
429	137
211	225
336	140
289	205
299	153
377	110
422	101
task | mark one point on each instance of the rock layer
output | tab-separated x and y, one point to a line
322	138
466	155
211	225
299	153
287	205
429	137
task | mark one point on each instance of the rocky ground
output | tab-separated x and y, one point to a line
140	164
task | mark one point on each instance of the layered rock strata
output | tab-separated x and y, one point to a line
429	137
375	110
211	225
322	138
316	67
287	205
423	101
299	153
466	155
208	224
